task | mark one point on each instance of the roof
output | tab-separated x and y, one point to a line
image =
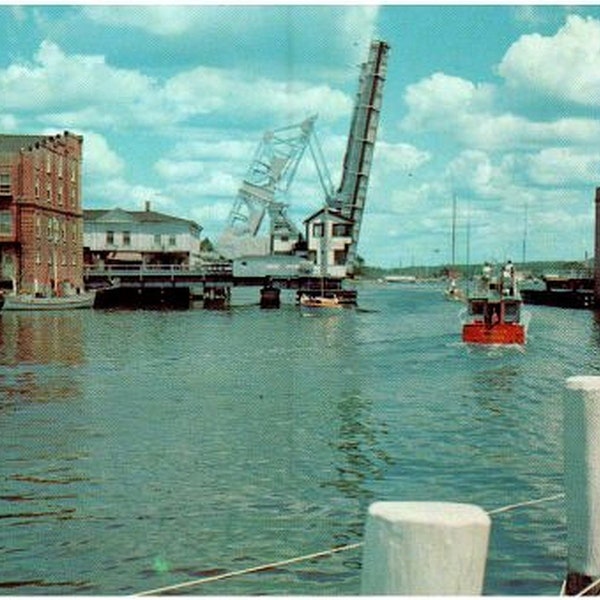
334	214
138	216
12	143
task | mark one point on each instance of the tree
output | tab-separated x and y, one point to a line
206	245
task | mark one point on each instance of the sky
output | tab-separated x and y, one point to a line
493	109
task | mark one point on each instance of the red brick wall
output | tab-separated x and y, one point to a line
50	217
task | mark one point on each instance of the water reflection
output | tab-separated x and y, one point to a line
492	386
41	338
37	353
360	459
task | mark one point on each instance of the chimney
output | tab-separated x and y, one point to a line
147	205
597	252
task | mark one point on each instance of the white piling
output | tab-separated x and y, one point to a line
582	480
425	548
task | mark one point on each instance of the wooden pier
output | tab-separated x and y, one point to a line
179	285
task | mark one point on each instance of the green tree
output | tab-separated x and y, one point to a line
206	245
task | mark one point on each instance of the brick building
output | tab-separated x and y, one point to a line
41	218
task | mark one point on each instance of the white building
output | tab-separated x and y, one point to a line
139	237
328	236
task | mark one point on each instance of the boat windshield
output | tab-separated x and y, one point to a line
477	307
511	312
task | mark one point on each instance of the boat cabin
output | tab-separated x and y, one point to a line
492	311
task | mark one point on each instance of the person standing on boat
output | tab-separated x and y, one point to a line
486	277
508	279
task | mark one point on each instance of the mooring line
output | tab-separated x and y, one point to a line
322	554
527	503
589	588
281	563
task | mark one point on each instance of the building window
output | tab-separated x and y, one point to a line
110	238
339	257
317	230
73	171
60	194
60	166
48	163
157	239
48	192
172	240
38	226
4	183
37	188
5	222
341	230
127	238
38	258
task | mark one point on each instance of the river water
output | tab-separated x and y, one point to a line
144	448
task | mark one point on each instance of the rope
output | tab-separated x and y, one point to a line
497	511
589	588
274	565
322	554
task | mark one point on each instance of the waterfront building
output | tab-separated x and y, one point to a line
328	237
41	222
146	237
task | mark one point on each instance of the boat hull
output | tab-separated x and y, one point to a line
53	303
320	302
500	333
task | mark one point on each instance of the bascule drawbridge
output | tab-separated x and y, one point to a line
264	189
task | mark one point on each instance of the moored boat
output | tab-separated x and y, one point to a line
320	301
494	313
36	302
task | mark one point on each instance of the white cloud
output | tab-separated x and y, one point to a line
467	113
55	79
565	66
339	27
99	160
563	166
399	157
85	91
207	90
117	192
442	102
160	20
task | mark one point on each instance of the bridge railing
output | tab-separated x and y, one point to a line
98	270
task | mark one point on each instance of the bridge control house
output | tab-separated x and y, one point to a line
41	221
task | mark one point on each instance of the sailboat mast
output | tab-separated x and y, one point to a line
524	248
453	231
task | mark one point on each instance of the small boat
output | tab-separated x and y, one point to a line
37	302
400	279
320	301
494	313
454	293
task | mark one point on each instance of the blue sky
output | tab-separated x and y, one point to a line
495	105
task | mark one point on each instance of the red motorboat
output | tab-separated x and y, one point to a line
494	313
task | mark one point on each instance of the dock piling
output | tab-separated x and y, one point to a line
425	548
582	482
